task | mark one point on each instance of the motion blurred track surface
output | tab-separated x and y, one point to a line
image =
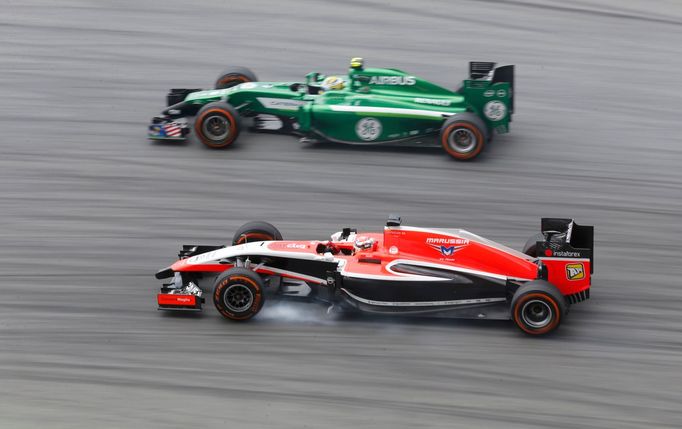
89	210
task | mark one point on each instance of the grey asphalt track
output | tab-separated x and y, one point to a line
89	210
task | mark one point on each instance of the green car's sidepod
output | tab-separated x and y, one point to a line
375	106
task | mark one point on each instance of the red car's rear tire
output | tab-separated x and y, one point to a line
538	308
530	248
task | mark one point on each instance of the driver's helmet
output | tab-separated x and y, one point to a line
363	243
333	83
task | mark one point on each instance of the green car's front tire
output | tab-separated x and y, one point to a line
217	125
463	136
234	76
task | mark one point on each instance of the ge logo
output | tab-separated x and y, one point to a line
494	110
368	129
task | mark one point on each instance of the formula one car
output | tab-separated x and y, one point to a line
366	106
404	270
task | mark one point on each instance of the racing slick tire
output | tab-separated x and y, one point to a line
238	294
256	231
234	76
217	125
538	308
530	247
463	136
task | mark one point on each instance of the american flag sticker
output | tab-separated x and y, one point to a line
172	130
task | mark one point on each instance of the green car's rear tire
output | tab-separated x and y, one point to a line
234	76
217	125
463	136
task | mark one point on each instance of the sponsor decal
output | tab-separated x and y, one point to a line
296	246
489	93
280	103
393	250
173	129
494	110
248	85
501	93
433	101
447	246
172	299
393	80
575	271
565	254
368	129
435	240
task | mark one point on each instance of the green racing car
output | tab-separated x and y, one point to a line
366	106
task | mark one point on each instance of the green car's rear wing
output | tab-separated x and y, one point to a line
490	92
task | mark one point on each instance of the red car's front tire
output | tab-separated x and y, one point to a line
239	294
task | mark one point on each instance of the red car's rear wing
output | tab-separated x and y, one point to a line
566	238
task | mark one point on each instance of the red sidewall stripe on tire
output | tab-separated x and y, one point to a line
254	236
230	78
207	142
470	127
256	297
546	298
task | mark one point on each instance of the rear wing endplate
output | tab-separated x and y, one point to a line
487	70
579	238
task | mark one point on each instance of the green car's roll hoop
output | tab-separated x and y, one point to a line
365	106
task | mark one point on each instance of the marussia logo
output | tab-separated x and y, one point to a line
447	246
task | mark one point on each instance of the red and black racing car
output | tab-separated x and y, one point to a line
402	270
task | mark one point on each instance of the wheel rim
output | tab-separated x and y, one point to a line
462	140
216	127
238	298
536	314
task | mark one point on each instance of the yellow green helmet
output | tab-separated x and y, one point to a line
356	63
